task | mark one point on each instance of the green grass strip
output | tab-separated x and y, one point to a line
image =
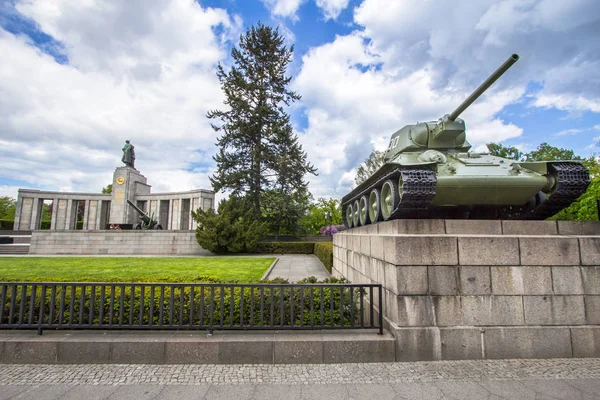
133	269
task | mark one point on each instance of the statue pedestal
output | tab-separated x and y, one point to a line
127	183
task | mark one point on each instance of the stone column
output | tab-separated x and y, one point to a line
54	214
176	214
157	212
99	214
69	224
194	207
35	215
86	215
61	214
17	220
25	214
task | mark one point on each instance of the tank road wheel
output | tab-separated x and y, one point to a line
374	206
363	211
355	214
349	215
389	198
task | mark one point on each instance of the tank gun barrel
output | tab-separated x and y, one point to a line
484	86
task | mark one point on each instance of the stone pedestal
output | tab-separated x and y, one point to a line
127	183
456	289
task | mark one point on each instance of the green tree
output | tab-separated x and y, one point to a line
257	141
545	152
283	211
231	230
322	213
286	203
369	166
510	152
8	207
107	189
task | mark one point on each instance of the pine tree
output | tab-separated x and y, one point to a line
258	150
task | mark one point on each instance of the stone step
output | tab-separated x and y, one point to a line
17	239
14	248
196	347
15	233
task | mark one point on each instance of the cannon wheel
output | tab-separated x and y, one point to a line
158	227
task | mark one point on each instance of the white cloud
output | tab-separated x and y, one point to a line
595	144
464	40
331	8
572	131
143	71
283	8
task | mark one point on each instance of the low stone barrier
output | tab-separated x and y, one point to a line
116	242
456	289
164	347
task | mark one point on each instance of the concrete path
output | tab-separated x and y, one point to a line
491	380
295	267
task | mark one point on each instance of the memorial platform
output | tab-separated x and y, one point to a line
474	289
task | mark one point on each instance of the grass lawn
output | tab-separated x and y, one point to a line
132	269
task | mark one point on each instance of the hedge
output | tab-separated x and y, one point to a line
324	252
6	224
276	305
285	247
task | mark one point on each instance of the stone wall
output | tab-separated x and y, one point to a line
116	242
456	289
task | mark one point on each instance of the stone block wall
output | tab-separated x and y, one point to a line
456	289
116	242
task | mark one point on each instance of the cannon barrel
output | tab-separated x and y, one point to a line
483	87
139	210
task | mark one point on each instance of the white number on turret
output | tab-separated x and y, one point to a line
394	142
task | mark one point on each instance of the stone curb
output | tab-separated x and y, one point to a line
266	274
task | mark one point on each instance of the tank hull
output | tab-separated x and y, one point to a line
464	185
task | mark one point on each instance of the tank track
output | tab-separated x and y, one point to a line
572	181
418	189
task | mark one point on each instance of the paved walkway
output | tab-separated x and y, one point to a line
491	380
295	267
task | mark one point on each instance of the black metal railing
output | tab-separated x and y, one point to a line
204	306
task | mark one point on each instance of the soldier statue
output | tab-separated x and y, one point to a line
128	155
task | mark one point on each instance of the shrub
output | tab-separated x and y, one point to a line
229	231
281	305
285	247
331	229
324	252
6	224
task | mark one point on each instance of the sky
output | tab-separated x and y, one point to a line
78	78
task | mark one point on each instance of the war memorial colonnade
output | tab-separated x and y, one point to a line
84	223
172	210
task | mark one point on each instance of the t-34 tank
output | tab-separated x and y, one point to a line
428	172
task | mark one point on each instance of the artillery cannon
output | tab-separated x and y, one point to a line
428	172
148	221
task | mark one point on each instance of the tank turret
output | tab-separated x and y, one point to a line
448	132
428	172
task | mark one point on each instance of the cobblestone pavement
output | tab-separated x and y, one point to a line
500	379
295	267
